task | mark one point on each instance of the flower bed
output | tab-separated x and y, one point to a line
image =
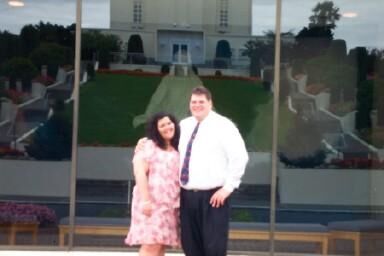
129	72
26	213
315	89
6	151
45	80
225	77
342	108
356	163
15	96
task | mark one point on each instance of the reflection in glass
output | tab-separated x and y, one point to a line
151	66
36	80
331	157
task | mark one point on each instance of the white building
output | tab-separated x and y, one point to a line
182	31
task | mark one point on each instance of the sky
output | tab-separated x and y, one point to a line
366	29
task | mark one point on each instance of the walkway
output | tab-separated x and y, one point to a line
106	253
172	95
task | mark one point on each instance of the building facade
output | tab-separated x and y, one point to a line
181	30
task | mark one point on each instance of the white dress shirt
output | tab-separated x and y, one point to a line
218	156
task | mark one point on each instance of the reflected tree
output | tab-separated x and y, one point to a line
316	38
53	140
325	15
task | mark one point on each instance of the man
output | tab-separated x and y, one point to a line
212	158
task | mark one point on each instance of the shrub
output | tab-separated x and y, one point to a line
220	63
297	67
218	73
241	215
266	86
308	161
50	54
165	69
303	147
195	70
20	68
364	106
52	140
90	71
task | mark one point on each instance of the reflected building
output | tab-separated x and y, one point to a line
183	31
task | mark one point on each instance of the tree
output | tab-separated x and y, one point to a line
135	50
20	68
50	54
52	140
135	44
325	15
29	39
341	79
223	54
358	57
364	105
101	46
9	46
303	145
256	51
313	40
379	92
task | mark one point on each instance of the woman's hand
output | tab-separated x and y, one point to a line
140	144
146	208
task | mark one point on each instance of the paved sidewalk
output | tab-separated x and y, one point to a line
106	253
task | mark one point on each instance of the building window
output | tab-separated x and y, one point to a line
222	14
137	11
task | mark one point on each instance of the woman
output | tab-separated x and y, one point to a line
155	203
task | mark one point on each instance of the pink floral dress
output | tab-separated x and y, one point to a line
162	227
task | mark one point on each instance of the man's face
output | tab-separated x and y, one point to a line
200	106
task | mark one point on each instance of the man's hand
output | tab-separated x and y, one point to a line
140	144
219	197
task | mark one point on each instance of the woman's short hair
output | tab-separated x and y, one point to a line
154	134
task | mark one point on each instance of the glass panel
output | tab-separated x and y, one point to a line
151	68
36	81
331	156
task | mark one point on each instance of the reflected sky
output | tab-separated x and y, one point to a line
364	30
95	13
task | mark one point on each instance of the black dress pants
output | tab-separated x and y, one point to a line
204	229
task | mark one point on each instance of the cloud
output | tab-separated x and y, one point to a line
95	13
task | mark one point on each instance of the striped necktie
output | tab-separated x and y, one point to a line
184	177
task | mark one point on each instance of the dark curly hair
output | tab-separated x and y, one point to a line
153	132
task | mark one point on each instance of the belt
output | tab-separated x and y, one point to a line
201	190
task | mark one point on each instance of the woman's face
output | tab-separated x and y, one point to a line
166	128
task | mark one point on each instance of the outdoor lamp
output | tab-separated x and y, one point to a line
16	3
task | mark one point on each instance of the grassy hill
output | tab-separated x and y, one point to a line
109	104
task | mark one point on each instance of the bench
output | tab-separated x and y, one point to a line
299	232
13	228
94	226
238	230
356	231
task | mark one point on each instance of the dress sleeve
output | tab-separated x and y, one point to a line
146	153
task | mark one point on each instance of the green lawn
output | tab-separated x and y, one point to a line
251	108
108	105
110	102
